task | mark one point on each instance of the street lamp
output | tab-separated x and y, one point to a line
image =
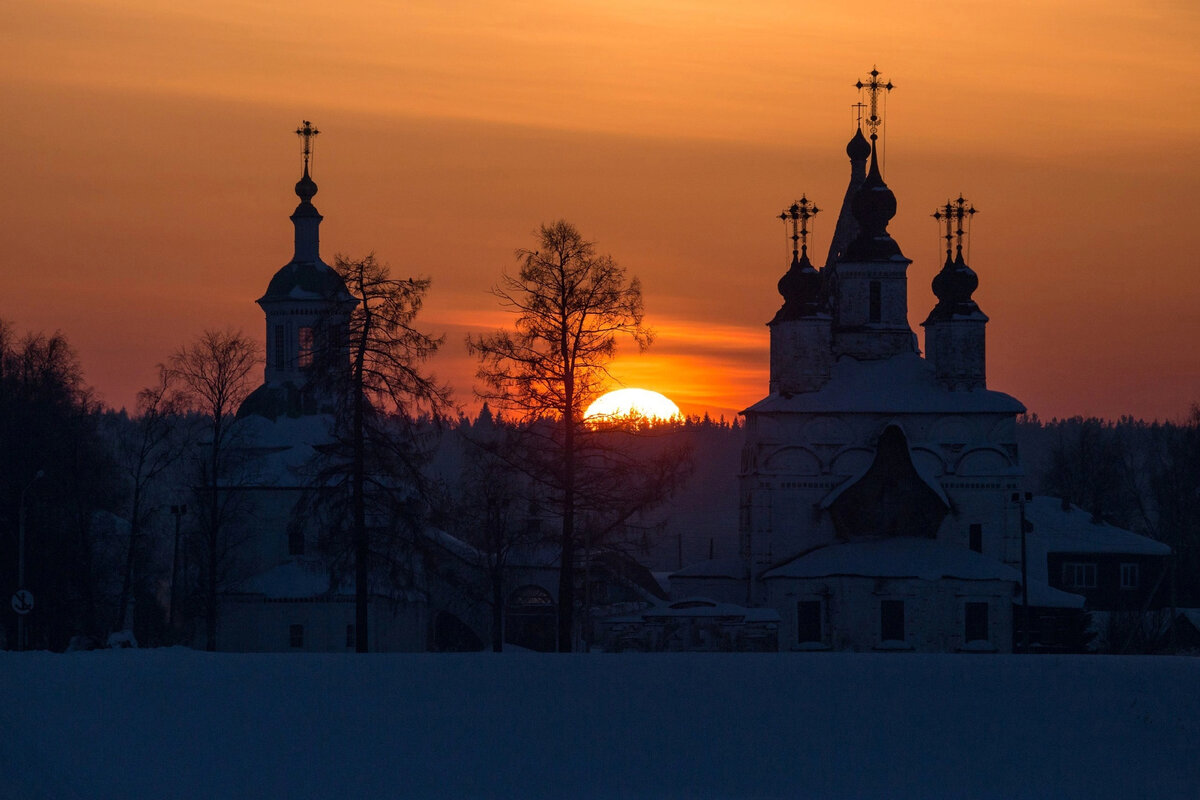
21	555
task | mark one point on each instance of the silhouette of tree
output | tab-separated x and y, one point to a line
570	305
213	374
375	465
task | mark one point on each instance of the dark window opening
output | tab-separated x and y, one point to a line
976	537
295	542
350	639
891	620
976	622
296	635
808	621
875	310
280	348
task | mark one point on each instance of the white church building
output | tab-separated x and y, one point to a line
879	489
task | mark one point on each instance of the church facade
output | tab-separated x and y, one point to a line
877	484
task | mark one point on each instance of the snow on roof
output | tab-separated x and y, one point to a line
292	580
282	450
902	383
1072	531
1043	595
898	557
717	568
705	607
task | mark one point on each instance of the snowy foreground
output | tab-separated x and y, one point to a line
183	724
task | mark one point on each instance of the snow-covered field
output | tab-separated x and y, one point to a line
183	724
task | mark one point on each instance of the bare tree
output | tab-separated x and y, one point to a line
376	375
570	304
214	377
145	448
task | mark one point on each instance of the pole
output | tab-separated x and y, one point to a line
21	556
1021	499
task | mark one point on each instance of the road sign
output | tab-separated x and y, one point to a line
22	601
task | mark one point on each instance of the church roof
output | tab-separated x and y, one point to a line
898	557
904	383
305	280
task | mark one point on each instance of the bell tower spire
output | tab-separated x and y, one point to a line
955	329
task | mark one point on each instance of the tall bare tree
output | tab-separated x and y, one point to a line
377	377
570	304
214	377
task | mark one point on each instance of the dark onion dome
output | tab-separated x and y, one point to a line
306	187
859	149
305	280
801	290
953	287
873	207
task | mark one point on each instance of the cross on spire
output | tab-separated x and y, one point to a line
800	212
873	87
858	109
307	132
954	212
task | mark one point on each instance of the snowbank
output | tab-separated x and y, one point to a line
183	724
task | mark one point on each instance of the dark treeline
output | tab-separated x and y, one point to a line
1142	476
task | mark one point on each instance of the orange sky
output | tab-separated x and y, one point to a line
149	167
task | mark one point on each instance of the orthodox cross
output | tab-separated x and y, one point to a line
800	212
858	109
307	133
954	212
873	87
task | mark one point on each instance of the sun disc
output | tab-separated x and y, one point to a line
637	403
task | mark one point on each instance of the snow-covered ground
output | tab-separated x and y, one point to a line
183	724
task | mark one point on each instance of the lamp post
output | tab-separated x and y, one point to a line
178	512
21	555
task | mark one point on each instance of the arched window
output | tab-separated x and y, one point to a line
530	620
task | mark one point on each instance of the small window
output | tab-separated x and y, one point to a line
306	348
1129	576
1079	575
875	310
976	537
296	635
808	621
295	542
280	347
351	641
891	620
976	618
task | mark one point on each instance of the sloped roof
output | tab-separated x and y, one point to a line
1072	531
904	383
899	557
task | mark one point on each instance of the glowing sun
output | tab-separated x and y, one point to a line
636	403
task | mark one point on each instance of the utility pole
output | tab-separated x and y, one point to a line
21	556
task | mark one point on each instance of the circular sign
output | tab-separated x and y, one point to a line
22	601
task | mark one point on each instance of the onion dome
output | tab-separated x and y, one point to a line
859	149
873	207
306	187
953	287
801	290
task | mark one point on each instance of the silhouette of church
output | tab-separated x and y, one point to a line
879	489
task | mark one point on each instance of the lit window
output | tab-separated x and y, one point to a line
1078	575
306	348
296	635
1129	576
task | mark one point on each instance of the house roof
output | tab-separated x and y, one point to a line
904	383
898	557
1072	531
